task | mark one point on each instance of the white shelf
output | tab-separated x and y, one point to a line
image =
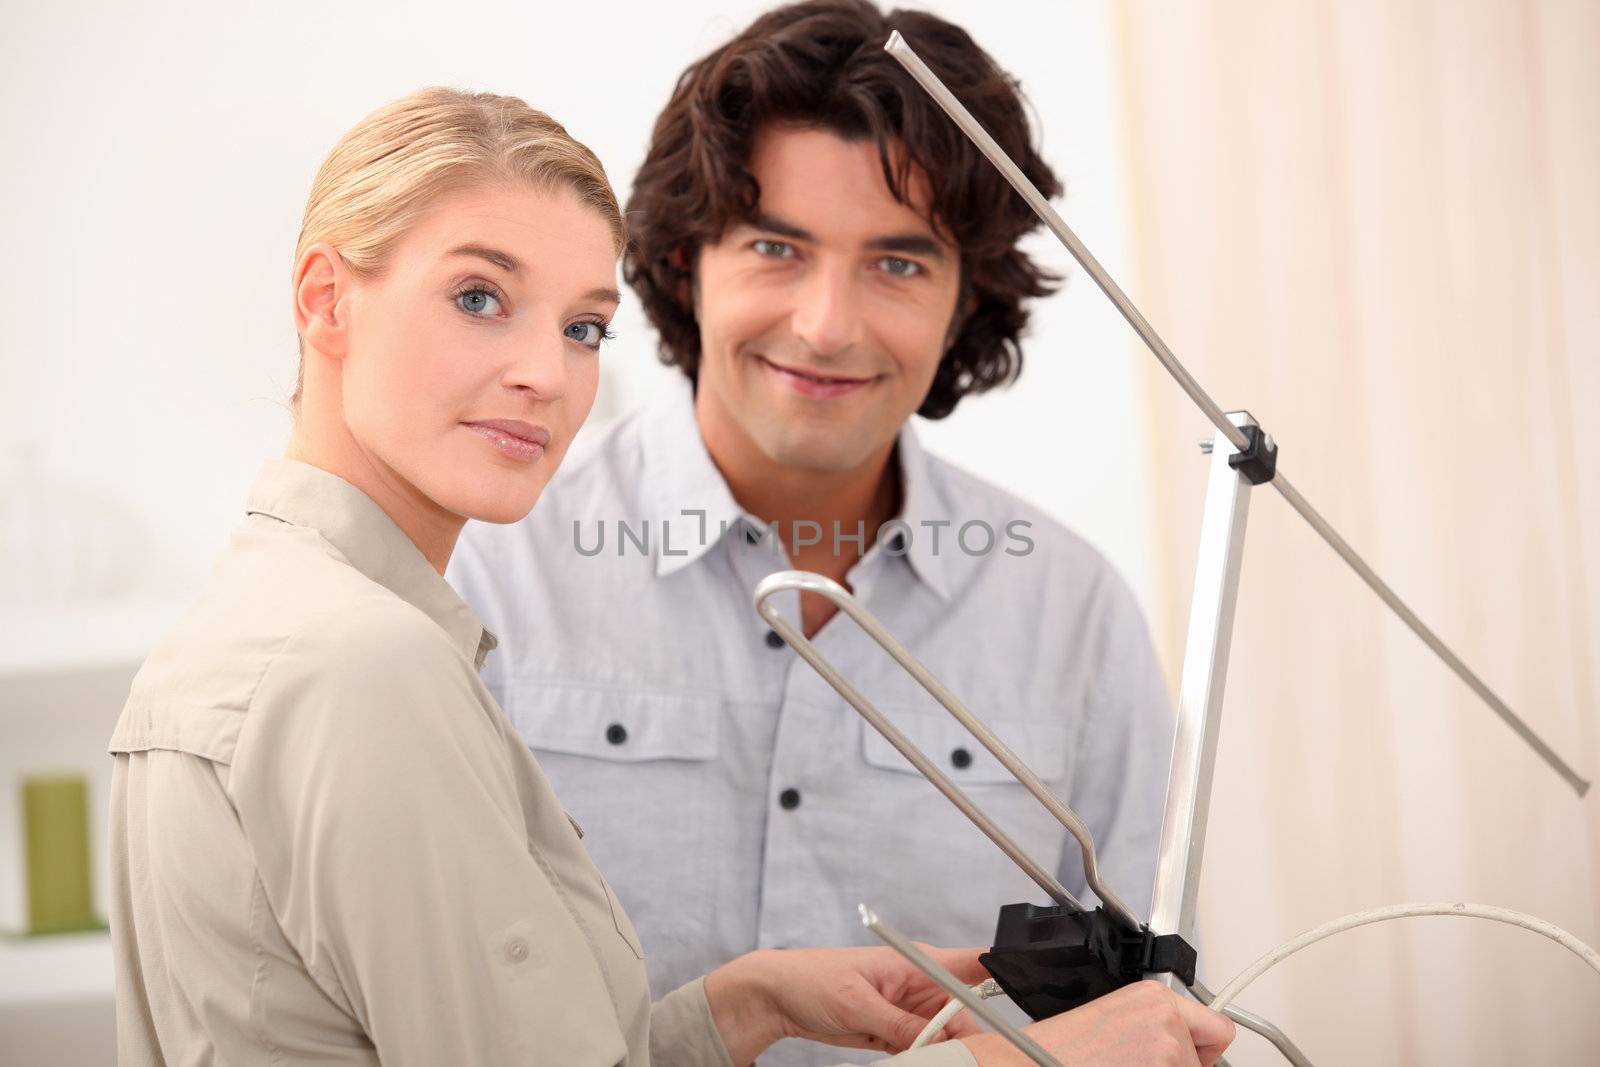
35	970
66	638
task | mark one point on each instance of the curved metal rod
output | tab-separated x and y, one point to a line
796	580
806	582
1252	1021
802	581
907	58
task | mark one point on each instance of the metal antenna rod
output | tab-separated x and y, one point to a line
804	581
796	580
907	58
954	986
1251	1021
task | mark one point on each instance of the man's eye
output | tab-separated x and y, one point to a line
774	249
588	333
478	301
900	268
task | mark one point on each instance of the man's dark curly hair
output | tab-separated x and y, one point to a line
822	64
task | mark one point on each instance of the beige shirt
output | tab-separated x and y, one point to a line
328	845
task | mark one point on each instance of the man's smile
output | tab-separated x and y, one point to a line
815	385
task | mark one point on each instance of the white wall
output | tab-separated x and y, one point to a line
159	162
156	163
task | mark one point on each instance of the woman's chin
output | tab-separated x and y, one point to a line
495	502
502	509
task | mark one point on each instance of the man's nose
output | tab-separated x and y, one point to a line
827	314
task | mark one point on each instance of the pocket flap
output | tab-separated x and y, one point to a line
1040	745
626	726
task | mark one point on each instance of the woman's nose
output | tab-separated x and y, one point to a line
539	368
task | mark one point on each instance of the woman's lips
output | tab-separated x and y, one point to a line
813	385
513	438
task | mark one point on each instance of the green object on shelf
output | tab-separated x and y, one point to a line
55	814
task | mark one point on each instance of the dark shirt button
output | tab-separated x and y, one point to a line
616	733
750	535
789	799
774	639
961	758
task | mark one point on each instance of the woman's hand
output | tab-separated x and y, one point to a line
857	997
1144	1023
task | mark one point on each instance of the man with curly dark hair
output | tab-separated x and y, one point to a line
823	255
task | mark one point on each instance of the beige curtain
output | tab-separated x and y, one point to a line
1377	227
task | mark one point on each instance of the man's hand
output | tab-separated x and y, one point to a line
856	997
1144	1024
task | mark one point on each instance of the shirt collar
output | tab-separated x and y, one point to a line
682	482
686	493
302	495
923	509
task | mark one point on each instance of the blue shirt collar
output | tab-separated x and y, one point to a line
685	494
693	509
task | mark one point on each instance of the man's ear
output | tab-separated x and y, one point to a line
322	283
688	287
966	304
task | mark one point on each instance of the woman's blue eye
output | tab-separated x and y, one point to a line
900	268
588	333
478	302
774	249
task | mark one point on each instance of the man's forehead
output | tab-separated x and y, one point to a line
817	180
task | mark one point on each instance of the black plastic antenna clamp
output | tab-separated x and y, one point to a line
1053	959
1259	460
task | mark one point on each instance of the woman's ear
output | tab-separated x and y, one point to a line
321	300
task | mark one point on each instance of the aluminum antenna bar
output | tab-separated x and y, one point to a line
956	988
804	581
1251	1021
784	581
907	58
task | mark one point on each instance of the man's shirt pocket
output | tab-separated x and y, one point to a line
918	822
636	769
617	725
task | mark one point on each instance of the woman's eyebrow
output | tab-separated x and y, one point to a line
504	260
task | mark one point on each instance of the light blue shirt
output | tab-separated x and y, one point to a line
732	798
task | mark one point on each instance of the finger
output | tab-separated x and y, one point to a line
1210	1031
895	1028
963	1025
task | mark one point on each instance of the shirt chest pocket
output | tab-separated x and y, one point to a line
636	769
615	725
1043	745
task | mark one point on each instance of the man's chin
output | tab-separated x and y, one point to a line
831	454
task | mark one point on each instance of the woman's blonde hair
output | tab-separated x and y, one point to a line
386	172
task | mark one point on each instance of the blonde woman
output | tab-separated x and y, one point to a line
327	843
